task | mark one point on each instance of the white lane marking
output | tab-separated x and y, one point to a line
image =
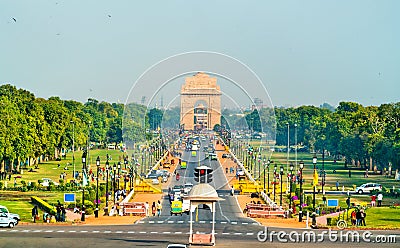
60	231
180	221
249	234
202	222
107	231
166	232
142	232
141	222
119	232
14	230
131	232
72	231
153	232
237	234
245	223
224	222
151	221
3	230
171	221
49	231
160	221
234	223
225	233
178	232
95	231
84	231
26	230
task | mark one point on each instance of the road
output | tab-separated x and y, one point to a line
232	227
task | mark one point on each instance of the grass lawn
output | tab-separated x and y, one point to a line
383	217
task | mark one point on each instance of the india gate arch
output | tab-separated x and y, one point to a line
200	103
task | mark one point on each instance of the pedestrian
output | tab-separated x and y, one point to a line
153	209
146	207
353	218
35	213
362	215
63	213
380	198
324	199
58	210
337	185
232	191
373	200
159	208
349	173
348	202
358	218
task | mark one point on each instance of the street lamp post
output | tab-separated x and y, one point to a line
114	180
268	163
314	221
264	164
301	164
96	212
119	172
274	183
290	188
73	149
83	186
106	208
280	203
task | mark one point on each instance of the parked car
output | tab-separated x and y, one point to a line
155	181
368	187
212	156
46	182
187	188
16	217
6	220
240	172
226	155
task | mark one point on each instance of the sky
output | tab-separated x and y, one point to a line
304	52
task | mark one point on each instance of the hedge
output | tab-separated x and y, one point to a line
43	205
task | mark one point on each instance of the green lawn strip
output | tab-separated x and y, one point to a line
382	217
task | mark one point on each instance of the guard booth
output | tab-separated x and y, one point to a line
202	194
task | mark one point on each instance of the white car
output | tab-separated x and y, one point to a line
368	187
6	220
46	182
187	188
155	181
16	217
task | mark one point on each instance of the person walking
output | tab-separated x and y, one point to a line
362	215
232	191
146	207
153	209
337	185
358	218
58	210
373	200
159	208
35	213
380	198
63	213
353	218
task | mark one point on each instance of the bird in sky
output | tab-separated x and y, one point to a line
109	15
15	20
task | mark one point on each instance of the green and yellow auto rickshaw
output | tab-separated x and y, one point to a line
176	207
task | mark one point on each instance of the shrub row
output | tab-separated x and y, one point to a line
43	205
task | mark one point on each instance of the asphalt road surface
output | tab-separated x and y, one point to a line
232	228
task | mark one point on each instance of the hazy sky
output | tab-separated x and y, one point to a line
305	52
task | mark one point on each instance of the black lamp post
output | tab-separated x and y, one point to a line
268	163
275	182
114	180
281	181
106	208
96	212
301	164
314	221
264	165
83	186
119	172
290	187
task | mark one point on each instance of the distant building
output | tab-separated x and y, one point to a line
200	103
